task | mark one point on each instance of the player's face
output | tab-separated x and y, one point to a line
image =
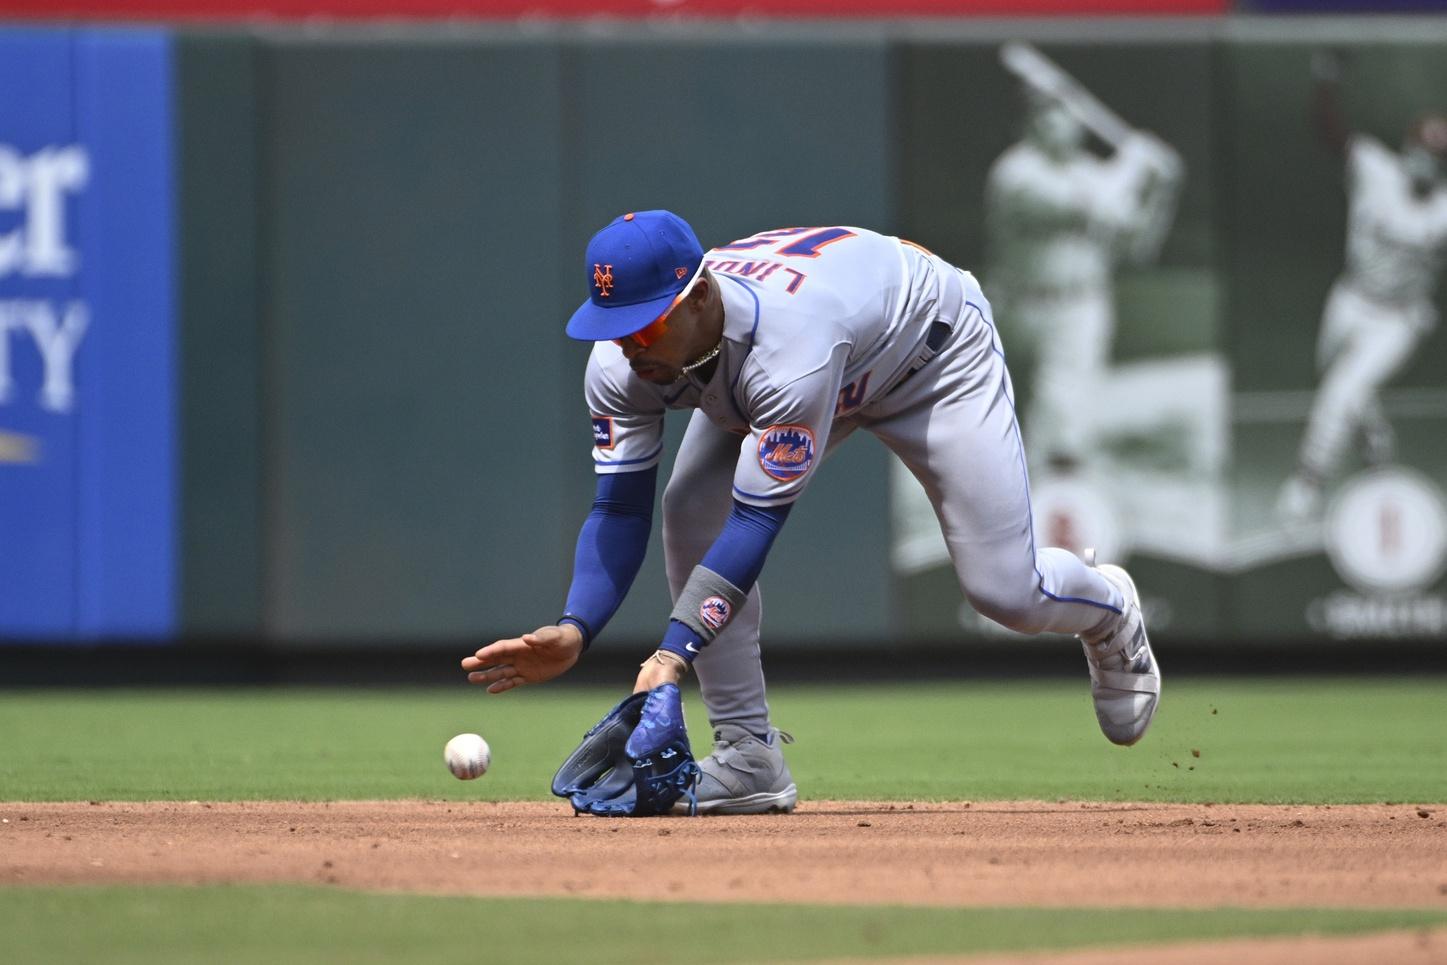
646	335
653	361
658	352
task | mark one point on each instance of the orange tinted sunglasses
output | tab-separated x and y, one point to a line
648	334
657	328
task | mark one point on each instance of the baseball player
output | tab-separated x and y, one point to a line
784	344
1059	218
1381	305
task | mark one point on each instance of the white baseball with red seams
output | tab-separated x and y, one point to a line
467	756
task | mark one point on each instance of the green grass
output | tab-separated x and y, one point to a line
1327	741
155	926
1272	741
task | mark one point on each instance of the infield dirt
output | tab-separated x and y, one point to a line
992	854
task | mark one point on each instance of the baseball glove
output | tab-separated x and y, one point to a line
635	762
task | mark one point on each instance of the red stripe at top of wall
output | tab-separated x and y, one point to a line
580	9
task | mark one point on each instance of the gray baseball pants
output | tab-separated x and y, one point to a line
953	425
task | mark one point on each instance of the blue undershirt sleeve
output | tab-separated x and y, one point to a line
611	546
737	555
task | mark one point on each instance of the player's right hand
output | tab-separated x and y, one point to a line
529	659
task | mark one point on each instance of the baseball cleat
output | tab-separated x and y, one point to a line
1125	680
746	774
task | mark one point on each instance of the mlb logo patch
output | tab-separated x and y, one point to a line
602	432
715	612
786	452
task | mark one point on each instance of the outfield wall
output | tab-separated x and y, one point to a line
371	421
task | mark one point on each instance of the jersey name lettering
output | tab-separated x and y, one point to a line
788	243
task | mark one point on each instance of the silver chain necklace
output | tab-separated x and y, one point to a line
704	359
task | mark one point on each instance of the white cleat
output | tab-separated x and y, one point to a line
745	774
1125	680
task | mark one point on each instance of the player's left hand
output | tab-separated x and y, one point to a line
661	668
529	659
635	762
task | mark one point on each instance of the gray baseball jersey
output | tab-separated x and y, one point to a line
848	313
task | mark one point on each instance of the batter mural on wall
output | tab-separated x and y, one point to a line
1385	527
1079	195
1060	218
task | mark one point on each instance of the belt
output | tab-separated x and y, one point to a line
939	331
951	296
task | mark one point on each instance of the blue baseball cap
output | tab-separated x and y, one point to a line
636	266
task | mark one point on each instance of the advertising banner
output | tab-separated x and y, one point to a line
86	335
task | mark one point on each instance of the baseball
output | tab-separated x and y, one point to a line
467	756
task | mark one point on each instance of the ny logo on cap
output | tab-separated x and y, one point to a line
603	279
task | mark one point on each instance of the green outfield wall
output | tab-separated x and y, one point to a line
382	433
220	344
388	440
